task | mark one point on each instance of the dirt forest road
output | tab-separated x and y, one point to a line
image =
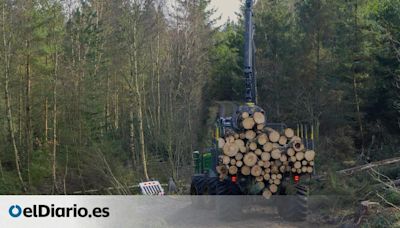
179	212
190	217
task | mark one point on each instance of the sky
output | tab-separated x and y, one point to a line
227	9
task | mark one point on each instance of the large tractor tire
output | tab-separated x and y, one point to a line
294	208
201	189
227	202
196	190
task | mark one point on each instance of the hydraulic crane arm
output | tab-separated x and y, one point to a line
249	55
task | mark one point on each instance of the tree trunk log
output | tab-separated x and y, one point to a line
258	152
230	149
268	147
250	134
248	123
265	156
262	139
299	156
267	194
259	117
245	170
289	132
252	146
273	188
309	155
225	160
256	171
273	135
282	140
239	156
276	154
250	159
233	170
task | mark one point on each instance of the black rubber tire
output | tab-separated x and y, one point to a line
294	208
196	201
227	201
196	188
203	186
208	191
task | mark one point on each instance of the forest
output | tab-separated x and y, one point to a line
100	93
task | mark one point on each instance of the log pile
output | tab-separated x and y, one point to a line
263	153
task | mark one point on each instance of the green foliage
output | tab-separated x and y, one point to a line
383	220
8	185
40	168
226	80
392	196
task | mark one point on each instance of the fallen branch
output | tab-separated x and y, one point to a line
387	202
368	166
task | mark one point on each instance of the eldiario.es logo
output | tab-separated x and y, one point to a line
41	211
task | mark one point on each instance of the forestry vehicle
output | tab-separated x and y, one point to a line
252	157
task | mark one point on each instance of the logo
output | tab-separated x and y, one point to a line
41	211
15	211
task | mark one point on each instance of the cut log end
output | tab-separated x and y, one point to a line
259	117
267	194
268	147
245	170
265	156
273	188
299	156
291	152
273	136
245	115
239	156
250	134
250	159
226	160
253	146
262	139
258	152
283	140
233	170
256	171
289	132
276	154
248	123
309	155
230	149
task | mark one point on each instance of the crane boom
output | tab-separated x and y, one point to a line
249	54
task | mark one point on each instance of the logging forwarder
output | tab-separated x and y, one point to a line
250	156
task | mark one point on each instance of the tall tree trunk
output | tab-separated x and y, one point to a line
28	119
355	87
107	106
7	55
66	171
54	154
46	122
132	147
140	105
116	105
158	80
20	110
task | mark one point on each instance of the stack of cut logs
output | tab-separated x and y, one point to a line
263	153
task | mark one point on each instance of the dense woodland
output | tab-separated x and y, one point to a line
101	93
